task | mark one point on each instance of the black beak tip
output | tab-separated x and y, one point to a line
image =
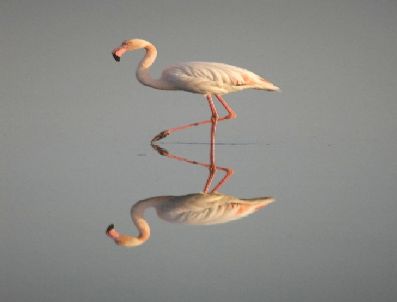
110	227
116	57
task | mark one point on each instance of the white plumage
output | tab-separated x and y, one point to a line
212	78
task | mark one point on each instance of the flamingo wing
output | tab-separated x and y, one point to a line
208	77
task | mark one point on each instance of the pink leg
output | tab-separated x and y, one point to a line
231	115
214	121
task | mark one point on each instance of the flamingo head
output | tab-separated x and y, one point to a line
128	45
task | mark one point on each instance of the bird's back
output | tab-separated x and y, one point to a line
209	77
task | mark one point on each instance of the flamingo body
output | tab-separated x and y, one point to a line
205	78
213	78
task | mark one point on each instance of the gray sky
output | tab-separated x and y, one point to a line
75	130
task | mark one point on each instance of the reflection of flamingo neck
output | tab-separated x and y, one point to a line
137	212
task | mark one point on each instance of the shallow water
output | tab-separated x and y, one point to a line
75	153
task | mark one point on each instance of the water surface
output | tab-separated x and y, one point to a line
75	154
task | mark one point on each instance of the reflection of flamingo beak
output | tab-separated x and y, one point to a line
111	232
118	52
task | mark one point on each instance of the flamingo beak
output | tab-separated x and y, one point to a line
118	52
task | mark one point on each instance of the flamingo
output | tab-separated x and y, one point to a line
193	209
206	78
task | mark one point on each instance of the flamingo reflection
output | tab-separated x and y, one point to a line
206	208
194	209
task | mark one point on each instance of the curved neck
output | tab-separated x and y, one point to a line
149	58
137	216
137	211
142	72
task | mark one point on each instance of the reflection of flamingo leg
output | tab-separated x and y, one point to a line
228	173
231	115
212	168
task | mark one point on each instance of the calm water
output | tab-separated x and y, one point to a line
75	152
